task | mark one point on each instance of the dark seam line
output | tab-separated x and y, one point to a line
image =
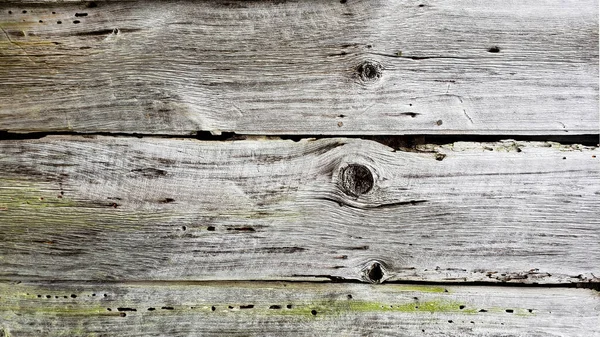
331	280
390	140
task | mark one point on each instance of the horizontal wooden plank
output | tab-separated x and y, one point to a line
301	67
294	309
170	209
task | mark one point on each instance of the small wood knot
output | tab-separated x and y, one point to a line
369	71
356	179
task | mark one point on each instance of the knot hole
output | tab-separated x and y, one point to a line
375	273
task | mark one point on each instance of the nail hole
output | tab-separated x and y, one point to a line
73	296
59	22
357	179
213	308
510	311
289	306
313	312
24	11
126	309
76	21
494	49
78	15
439	122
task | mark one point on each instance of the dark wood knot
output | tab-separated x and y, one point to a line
369	71
356	179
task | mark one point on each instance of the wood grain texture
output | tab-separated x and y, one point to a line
301	67
294	309
80	208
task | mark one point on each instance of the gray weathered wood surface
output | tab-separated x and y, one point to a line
175	209
301	67
294	309
261	236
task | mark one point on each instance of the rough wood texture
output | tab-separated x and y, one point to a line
294	309
172	209
301	67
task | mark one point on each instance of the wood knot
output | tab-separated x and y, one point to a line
369	71
356	179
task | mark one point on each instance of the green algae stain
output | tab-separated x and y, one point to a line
338	308
19	194
419	288
31	199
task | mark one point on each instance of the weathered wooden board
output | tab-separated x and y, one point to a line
78	208
301	67
294	309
